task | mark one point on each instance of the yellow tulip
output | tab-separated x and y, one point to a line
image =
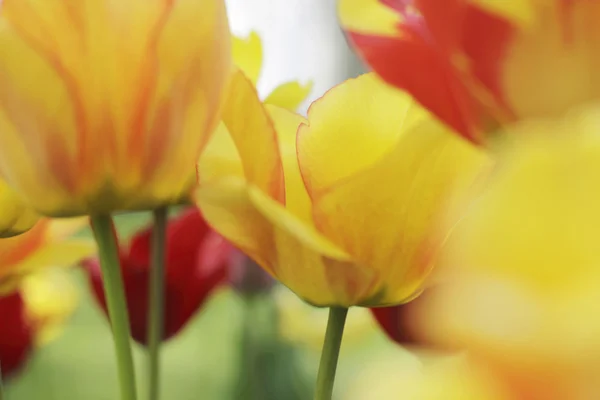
105	105
339	207
16	217
522	264
248	57
47	244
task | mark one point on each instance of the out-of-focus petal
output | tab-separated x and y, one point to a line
16	336
50	298
372	17
289	95
407	55
248	55
16	216
525	252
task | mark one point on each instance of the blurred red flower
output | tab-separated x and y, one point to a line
17	334
197	260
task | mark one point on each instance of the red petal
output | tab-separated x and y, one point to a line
16	335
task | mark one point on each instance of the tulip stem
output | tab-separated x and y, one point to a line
330	353
108	251
156	292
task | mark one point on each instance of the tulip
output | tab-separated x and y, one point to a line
16	217
248	57
480	64
279	187
47	244
33	315
196	264
522	264
115	103
398	322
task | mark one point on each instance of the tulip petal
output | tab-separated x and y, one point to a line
254	136
248	55
369	16
310	264
50	298
392	229
370	125
289	95
64	254
16	217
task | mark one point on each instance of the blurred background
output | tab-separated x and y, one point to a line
218	352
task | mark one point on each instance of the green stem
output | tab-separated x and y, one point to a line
330	353
114	292
156	292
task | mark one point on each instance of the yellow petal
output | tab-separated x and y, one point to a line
50	299
16	217
363	115
248	55
286	124
289	95
519	11
526	252
563	43
369	17
254	136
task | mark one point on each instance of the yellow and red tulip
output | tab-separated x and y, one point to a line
341	206
47	244
478	64
106	106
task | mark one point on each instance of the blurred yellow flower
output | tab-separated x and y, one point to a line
447	378
304	324
47	244
106	105
248	56
522	265
16	217
341	207
50	298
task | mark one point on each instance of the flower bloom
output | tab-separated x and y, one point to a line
478	64
16	216
196	263
47	244
33	315
338	207
115	104
522	265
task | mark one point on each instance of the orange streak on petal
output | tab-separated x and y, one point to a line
71	86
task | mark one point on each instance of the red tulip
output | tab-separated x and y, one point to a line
197	259
16	335
401	323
